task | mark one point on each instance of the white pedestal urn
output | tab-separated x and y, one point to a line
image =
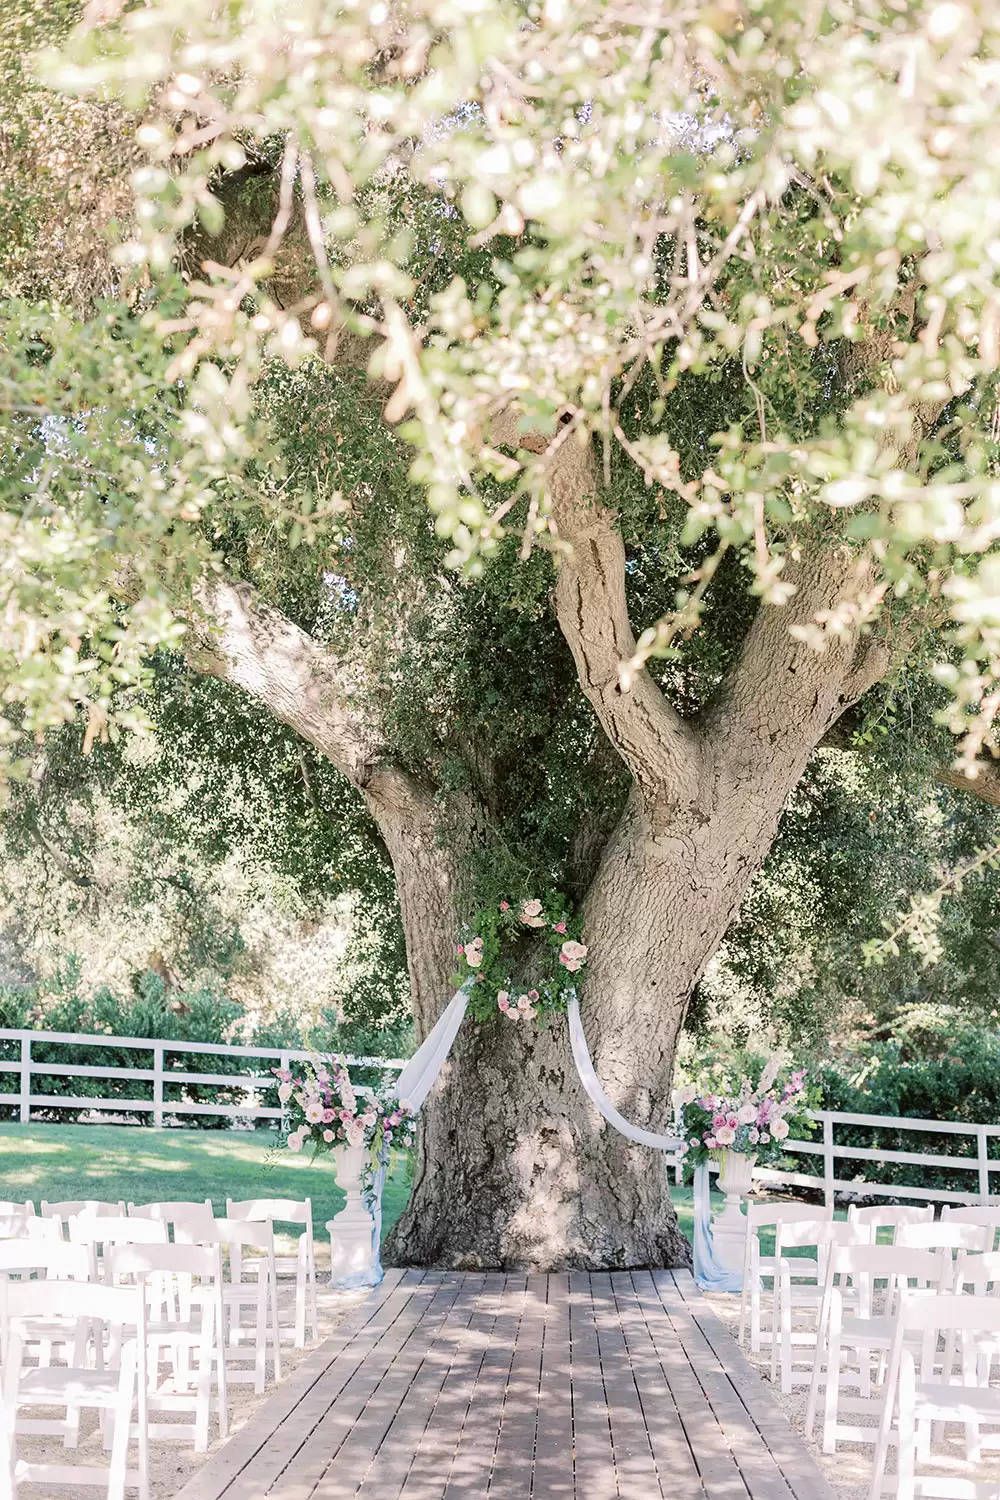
729	1224
353	1260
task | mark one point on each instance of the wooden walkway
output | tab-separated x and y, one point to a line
450	1386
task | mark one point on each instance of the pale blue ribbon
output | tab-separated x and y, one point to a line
709	1273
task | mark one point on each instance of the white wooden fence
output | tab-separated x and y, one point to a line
836	1183
837	1179
160	1076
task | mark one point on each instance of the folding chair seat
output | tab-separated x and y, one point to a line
867	1331
918	1394
301	1265
186	1280
798	1291
116	1390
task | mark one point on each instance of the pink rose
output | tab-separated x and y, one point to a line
719	1121
523	1003
531	914
329	1115
328	1136
505	906
725	1136
559	927
503	1001
572	955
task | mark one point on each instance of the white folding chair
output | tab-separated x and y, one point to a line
762	1216
71	1208
25	1259
889	1216
798	1291
868	1330
251	1282
975	1213
116	1390
186	1280
917	1394
302	1265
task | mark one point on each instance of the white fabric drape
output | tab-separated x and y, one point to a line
417	1078
591	1083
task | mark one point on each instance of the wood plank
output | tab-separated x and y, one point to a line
763	1478
552	1478
800	1469
593	1451
293	1394
635	1466
717	1464
515	1453
674	1460
435	1456
476	1448
398	1448
339	1448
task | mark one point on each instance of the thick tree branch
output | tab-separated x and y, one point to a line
242	640
662	751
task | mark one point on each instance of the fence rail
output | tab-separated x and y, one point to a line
836	1185
160	1076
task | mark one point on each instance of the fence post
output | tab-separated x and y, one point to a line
25	1080
984	1164
827	1161
158	1085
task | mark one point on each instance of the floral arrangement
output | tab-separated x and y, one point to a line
488	958
728	1112
324	1110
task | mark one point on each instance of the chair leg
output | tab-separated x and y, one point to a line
121	1430
260	1361
832	1396
272	1283
313	1308
301	1281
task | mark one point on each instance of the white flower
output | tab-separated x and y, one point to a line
294	1142
725	1135
314	1110
355	1133
531	914
284	1092
779	1128
746	1114
328	1136
474	953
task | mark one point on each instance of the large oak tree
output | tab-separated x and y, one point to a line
561	418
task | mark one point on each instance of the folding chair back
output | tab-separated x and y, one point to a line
285	1210
186	1212
55	1259
975	1213
890	1216
945	1234
71	1208
981	1273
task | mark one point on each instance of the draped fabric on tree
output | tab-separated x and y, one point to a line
417	1079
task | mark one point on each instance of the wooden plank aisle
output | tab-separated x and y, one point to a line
763	1478
553	1475
475	1449
788	1449
437	1449
474	1386
674	1460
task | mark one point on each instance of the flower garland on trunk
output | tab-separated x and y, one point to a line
498	938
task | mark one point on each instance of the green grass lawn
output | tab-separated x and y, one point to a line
60	1162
